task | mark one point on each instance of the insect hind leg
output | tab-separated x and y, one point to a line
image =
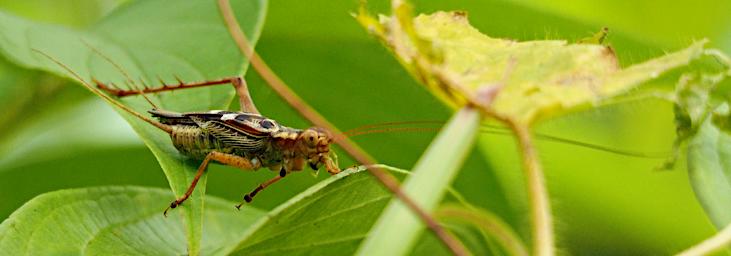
238	82
223	158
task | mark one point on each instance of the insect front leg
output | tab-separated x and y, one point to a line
238	82
227	159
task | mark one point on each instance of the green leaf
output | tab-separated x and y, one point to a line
521	81
20	93
115	221
329	218
426	185
68	13
706	133
149	40
709	169
33	142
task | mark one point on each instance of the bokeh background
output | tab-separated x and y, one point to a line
55	135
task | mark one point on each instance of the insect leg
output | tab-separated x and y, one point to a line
242	90
235	161
330	164
202	168
223	158
250	196
238	82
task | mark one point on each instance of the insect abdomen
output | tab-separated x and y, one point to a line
192	141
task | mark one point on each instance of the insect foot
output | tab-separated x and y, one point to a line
250	196
172	206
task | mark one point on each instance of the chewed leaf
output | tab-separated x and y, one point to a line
521	81
148	40
115	221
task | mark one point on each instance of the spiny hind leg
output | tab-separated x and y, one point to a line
223	158
238	82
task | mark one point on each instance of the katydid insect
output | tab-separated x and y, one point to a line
244	139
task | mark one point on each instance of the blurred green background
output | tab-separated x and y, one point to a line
54	135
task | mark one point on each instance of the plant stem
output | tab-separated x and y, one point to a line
488	223
310	114
537	193
710	245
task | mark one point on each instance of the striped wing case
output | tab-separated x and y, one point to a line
239	130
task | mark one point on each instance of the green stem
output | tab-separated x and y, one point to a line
537	193
490	224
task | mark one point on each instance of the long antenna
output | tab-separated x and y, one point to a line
491	129
114	102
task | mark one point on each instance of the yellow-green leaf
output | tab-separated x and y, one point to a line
520	81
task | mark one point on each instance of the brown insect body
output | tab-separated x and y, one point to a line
246	139
261	140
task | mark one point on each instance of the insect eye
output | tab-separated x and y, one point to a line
309	137
267	124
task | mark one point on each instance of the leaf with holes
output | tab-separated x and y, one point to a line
149	40
521	81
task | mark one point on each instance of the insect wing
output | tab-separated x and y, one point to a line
236	136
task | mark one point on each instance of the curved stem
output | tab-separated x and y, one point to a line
488	223
537	193
351	148
710	245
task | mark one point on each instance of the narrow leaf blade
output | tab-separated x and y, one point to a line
426	185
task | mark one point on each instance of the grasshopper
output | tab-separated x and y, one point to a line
244	139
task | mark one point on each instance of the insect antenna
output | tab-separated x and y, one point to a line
392	127
96	91
435	126
391	130
130	81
